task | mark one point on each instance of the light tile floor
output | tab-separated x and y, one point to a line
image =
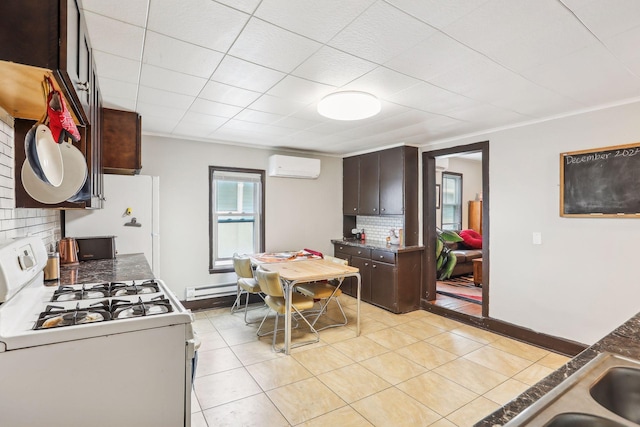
414	369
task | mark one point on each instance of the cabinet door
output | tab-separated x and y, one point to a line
383	285
392	182
369	186
364	265
350	185
121	136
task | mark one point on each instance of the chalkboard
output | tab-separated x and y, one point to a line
602	182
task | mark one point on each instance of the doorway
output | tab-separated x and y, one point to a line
445	211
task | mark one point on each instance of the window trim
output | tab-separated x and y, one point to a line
461	199
212	169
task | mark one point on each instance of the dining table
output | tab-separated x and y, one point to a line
295	271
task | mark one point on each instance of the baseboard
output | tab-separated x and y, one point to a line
218	302
548	342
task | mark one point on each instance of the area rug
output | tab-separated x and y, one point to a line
461	287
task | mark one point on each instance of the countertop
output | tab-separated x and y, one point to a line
377	244
123	267
624	340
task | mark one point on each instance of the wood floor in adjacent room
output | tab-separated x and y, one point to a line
413	369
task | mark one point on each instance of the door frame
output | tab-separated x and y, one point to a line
429	235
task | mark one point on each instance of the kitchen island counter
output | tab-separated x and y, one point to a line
122	267
624	340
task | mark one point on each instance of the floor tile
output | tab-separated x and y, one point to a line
391	319
520	349
343	417
391	338
278	372
417	314
468	374
349	382
252	411
553	360
304	400
392	407
453	343
213	361
437	393
195	405
360	348
224	387
506	392
498	360
368	326
443	422
471	413
211	341
442	322
476	334
225	322
202	326
238	335
533	374
418	329
197	420
323	359
255	352
426	354
393	367
337	334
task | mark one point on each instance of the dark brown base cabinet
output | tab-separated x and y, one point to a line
390	280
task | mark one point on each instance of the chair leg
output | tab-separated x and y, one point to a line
236	304
298	344
323	309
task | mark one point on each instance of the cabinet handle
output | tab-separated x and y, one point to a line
341	248
374	209
373	266
359	252
381	256
366	264
382	209
355	209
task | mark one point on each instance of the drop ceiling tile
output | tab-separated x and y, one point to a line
470	75
432	57
149	95
115	37
301	90
171	81
625	47
119	103
431	99
606	18
192	117
176	55
437	12
273	104
247	6
381	33
487	26
160	111
488	116
332	67
271	46
158	125
204	23
116	67
220	92
258	117
131	12
246	75
195	130
214	108
382	82
592	76
291	122
317	20
117	89
242	125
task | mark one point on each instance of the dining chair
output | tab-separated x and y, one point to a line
324	292
271	286
247	285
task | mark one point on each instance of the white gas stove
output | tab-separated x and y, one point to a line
107	333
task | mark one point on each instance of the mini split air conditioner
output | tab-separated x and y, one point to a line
294	167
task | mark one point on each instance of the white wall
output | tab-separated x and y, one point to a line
582	282
299	213
471	171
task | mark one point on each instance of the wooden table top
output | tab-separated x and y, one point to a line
310	270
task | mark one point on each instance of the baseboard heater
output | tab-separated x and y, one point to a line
211	291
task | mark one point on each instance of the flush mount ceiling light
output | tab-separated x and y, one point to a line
349	105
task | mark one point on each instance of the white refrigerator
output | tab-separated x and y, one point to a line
130	212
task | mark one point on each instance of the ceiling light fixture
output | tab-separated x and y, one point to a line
349	105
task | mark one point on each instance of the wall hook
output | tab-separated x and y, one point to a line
133	223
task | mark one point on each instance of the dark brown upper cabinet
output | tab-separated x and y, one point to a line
350	185
369	201
121	139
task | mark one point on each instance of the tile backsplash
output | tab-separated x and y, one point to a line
19	222
377	227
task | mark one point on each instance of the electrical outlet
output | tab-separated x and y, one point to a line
537	238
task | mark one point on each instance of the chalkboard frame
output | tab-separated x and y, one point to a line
593	151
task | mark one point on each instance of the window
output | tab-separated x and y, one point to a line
236	219
451	201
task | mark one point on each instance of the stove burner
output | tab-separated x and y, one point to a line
54	316
102	290
126	309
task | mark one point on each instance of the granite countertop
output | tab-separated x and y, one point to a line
377	244
123	267
624	340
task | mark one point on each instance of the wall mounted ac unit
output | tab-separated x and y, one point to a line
442	164
294	167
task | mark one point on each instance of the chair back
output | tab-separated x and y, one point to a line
336	260
242	266
269	282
